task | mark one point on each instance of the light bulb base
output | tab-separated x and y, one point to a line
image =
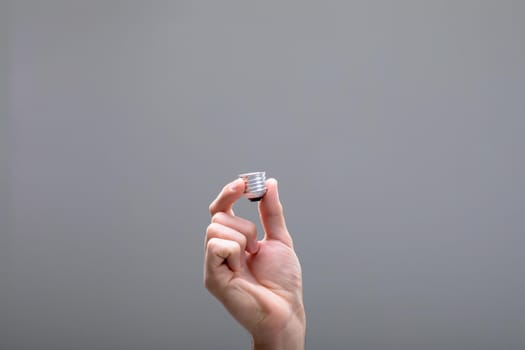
254	185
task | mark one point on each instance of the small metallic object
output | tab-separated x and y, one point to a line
255	186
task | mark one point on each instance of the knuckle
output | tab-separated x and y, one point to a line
212	207
212	233
210	229
212	245
217	217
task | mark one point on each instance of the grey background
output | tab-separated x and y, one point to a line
395	130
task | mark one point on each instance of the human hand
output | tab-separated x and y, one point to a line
259	282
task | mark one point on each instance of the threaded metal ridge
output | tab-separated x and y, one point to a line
255	186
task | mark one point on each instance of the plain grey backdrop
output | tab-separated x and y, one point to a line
395	129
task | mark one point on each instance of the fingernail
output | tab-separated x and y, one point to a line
255	249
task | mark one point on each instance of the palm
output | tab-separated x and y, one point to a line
272	279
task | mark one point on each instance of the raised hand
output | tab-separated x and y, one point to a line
259	282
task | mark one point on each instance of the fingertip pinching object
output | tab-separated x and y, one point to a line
255	185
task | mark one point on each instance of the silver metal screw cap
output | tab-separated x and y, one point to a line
255	186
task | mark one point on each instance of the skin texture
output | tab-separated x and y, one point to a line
258	282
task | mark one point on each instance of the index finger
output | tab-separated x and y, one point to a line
227	197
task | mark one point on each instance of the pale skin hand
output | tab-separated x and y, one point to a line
259	282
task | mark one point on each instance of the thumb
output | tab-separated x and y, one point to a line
272	217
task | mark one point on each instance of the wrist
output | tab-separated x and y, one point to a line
291	337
